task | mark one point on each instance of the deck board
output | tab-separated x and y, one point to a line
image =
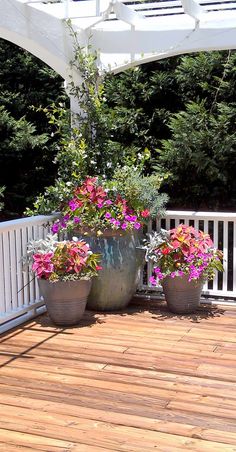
139	380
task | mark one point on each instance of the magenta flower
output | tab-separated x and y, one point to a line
158	273
137	225
180	273
131	218
55	228
73	204
152	280
185	251
108	202
42	265
95	206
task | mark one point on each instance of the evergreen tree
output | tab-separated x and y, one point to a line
183	110
26	152
175	116
201	152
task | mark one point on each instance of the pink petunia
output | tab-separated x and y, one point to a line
145	213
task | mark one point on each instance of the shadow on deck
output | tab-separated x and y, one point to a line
138	380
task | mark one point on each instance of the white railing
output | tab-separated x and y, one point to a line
222	228
19	295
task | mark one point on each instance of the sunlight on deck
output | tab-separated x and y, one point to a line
139	380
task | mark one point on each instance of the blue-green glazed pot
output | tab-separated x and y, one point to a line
121	263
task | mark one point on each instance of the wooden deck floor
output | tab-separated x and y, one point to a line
141	380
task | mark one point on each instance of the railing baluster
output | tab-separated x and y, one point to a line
2	287
234	257
26	273
216	244
168	223
13	266
14	235
7	271
217	224
19	298
225	253
19	270
36	236
31	276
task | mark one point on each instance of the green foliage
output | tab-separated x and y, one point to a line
27	144
196	120
27	81
53	198
182	251
61	261
141	100
93	118
213	74
2	196
141	192
174	116
20	146
89	147
201	156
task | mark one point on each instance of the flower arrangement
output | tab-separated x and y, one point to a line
183	251
95	207
62	261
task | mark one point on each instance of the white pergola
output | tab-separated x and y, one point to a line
125	33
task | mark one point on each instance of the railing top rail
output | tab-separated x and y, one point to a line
22	222
202	215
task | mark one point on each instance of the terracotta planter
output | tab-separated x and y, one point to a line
121	263
182	296
65	300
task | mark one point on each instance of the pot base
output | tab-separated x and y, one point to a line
65	300
182	296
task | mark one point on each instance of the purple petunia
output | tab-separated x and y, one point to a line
152	280
158	273
137	225
180	273
72	204
55	228
131	218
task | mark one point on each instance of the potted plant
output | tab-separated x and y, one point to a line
64	271
183	259
113	228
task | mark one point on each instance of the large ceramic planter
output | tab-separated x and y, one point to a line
65	300
182	296
121	263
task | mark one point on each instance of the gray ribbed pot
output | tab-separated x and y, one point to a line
182	296
65	300
121	263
